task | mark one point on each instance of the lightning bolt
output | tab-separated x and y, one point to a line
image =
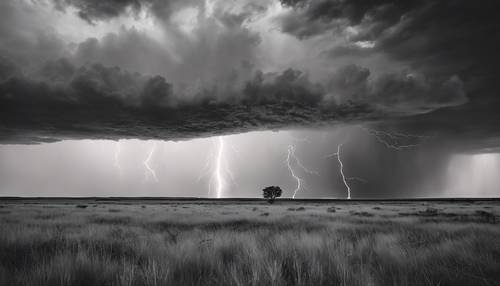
117	165
220	181
148	167
216	162
344	178
299	180
392	140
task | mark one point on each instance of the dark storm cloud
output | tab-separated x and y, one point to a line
94	101
208	81
319	16
434	36
439	39
91	10
399	92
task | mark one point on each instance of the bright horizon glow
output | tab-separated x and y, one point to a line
477	174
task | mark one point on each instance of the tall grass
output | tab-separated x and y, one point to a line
201	246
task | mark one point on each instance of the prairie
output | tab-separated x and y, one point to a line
244	242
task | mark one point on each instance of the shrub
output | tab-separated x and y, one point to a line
271	193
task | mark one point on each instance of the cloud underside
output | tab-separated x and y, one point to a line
119	123
421	65
62	101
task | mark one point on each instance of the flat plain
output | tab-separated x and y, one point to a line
248	242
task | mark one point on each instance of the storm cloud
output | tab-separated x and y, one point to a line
93	101
440	39
185	69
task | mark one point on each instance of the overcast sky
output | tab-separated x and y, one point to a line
189	88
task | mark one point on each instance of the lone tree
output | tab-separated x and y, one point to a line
271	193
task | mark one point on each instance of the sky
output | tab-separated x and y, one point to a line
378	99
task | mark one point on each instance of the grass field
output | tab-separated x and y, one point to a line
93	242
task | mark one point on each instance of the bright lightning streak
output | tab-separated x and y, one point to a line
344	178
300	181
147	166
220	182
117	165
217	163
291	151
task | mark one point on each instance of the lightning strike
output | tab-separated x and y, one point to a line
392	140
220	181
116	157
300	181
345	179
217	164
148	167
